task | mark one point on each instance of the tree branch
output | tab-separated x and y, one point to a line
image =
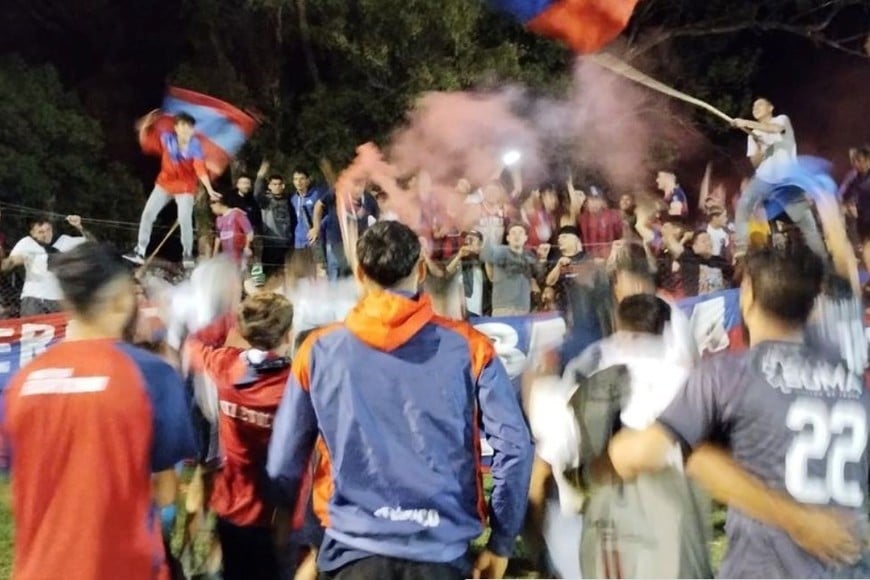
813	32
305	35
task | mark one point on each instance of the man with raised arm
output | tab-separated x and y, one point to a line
182	169
772	149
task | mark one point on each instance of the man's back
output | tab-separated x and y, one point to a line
798	422
81	422
398	395
400	426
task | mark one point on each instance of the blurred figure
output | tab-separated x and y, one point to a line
235	233
110	415
250	383
855	191
676	200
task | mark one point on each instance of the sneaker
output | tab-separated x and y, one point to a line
135	257
188	263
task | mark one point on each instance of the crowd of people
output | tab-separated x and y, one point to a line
385	443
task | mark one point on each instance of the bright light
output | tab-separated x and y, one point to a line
511	157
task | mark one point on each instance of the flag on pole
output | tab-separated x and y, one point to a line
221	128
584	25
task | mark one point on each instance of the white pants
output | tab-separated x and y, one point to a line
562	534
156	202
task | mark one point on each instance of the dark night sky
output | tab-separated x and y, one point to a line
824	92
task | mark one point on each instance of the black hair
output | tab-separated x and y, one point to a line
388	252
695	234
185	118
549	186
301	171
275	176
785	283
38	221
643	313
85	270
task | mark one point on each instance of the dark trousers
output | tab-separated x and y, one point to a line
383	568
248	552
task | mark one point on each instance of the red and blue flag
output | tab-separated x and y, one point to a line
221	128
584	25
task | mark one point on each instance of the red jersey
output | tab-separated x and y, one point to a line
248	396
233	229
180	170
87	423
542	227
599	231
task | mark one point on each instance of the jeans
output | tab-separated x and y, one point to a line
156	202
798	210
336	262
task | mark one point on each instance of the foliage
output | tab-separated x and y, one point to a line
331	74
52	154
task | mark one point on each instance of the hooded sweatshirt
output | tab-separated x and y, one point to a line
249	385
394	397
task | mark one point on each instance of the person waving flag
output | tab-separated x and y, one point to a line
195	136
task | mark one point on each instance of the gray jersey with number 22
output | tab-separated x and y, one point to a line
794	419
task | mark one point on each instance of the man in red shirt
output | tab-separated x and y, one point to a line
250	383
182	168
235	232
600	225
88	423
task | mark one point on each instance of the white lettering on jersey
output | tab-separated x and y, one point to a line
815	378
426	518
836	436
61	382
246	415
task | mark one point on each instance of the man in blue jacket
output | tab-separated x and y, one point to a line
392	399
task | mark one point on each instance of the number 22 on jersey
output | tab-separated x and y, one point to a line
837	436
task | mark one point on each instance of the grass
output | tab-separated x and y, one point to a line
717	546
5	529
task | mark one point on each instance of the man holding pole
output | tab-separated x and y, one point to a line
182	169
772	149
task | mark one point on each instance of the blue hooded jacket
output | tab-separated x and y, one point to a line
393	399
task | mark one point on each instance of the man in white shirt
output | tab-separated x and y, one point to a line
772	149
41	293
717	227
